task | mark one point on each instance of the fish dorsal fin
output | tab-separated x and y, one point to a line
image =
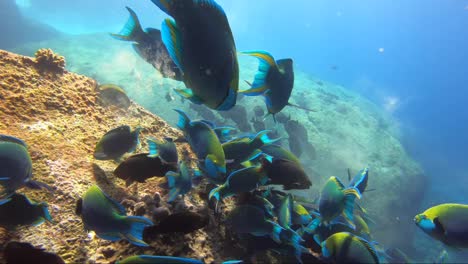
6	138
116	205
370	248
172	40
338	182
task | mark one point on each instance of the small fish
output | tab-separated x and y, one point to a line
180	182
298	139
20	253
112	94
115	143
15	168
248	219
274	81
258	124
282	118
169	97
19	211
258	111
140	167
147	259
447	223
319	83
243	149
108	219
205	143
345	247
287	173
149	45
166	150
360	180
336	200
200	42
285	211
183	222
243	180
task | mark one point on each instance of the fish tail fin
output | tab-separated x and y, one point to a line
184	120
350	195
216	193
39	186
275	232
171	38
164	5
259	85
171	178
262	138
5	197
132	30
136	226
45	211
153	147
173	193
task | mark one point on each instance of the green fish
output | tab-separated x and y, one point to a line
112	94
300	215
115	143
200	42
285	212
336	200
243	180
447	223
108	218
147	259
166	150
345	247
15	168
280	153
248	219
205	143
19	211
243	149
180	182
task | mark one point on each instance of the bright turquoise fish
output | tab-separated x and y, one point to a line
147	259
300	215
200	42
243	180
108	218
205	143
243	149
15	168
180	182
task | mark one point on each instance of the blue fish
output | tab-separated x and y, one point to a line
166	150
15	167
108	218
360	180
180	182
200	42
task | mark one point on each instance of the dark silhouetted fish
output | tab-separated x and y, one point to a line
258	124
200	42
15	167
147	259
298	139
139	167
258	111
112	94
183	222
149	45
21	253
238	114
287	173
19	210
115	143
282	118
166	150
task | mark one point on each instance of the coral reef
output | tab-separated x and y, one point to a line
61	119
47	60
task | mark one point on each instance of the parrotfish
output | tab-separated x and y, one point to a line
205	143
300	215
274	81
15	168
336	200
108	218
19	210
242	149
180	182
182	222
166	150
200	42
19	253
345	247
112	94
115	143
243	180
447	223
287	173
149	45
248	219
147	259
280	153
140	167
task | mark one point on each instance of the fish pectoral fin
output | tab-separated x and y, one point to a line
439	227
188	94
171	38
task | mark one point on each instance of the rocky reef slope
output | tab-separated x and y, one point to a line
60	116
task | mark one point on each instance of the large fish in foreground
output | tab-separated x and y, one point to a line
274	81
200	42
148	44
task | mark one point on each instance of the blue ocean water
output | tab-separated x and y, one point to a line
409	57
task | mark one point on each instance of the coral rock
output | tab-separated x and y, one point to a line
47	60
